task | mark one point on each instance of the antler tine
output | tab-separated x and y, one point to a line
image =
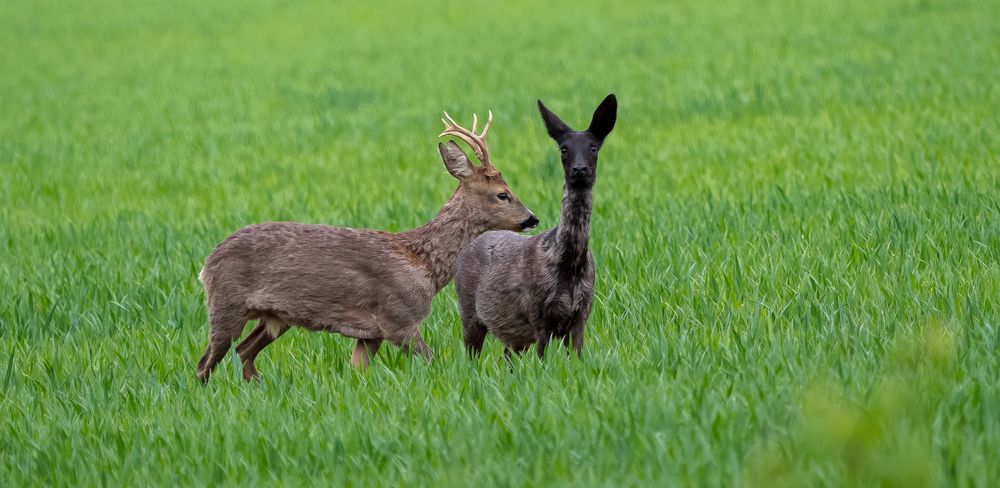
476	141
448	124
486	128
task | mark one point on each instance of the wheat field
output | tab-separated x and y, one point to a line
796	229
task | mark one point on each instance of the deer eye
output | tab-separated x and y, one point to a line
503	196
593	149
563	150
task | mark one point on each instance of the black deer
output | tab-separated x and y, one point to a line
528	290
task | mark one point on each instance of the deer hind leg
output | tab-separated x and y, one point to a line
252	336
364	351
268	330
226	327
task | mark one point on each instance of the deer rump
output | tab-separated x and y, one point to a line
510	285
355	282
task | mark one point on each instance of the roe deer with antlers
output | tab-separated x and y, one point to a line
365	284
528	290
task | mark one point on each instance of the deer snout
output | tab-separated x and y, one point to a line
529	223
578	170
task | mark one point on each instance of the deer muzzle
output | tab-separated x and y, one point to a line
529	223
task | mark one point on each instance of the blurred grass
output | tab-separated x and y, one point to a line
794	192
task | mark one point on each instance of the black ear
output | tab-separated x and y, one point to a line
455	160
604	117
556	127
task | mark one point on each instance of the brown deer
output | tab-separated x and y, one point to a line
527	290
365	284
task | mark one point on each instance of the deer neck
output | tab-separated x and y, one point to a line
436	244
573	234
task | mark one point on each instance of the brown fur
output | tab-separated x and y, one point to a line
366	284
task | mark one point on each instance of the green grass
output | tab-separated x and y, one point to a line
796	227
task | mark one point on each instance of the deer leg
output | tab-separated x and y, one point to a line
420	347
508	358
252	336
364	350
224	330
517	349
575	337
413	343
510	351
474	334
266	332
543	342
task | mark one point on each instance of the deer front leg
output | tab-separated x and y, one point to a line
543	342
417	345
413	343
575	337
364	350
473	334
509	351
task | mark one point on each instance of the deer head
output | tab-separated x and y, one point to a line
579	148
492	203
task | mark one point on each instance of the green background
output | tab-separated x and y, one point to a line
796	227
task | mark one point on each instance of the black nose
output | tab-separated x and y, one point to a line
531	222
578	170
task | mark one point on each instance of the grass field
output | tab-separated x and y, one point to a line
796	228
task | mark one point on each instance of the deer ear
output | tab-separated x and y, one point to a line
604	117
455	160
557	128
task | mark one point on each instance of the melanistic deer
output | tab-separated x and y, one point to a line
365	284
528	290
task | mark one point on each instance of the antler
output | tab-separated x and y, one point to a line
476	141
